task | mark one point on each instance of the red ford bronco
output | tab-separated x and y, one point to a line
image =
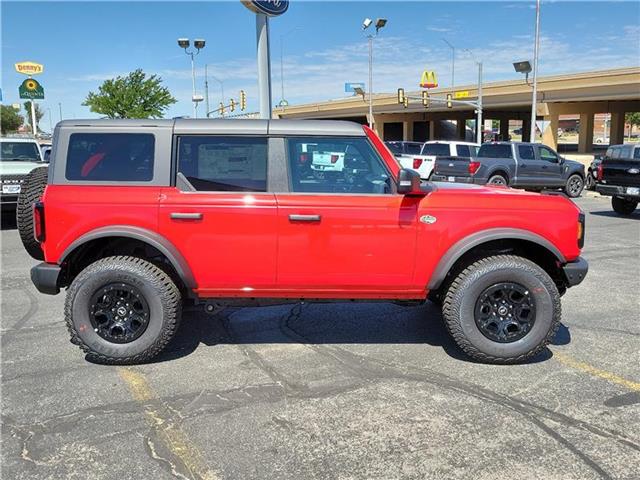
138	216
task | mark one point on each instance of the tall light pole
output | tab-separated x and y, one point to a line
283	102
198	45
60	109
479	127
453	62
50	120
532	135
206	88
380	22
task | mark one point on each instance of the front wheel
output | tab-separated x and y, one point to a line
122	310
623	206
574	186
502	309
590	182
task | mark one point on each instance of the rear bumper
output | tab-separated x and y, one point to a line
45	277
615	191
445	179
575	271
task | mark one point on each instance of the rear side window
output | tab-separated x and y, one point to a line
111	157
526	152
224	164
463	150
436	149
495	150
395	147
413	148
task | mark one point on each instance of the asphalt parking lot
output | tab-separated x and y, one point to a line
345	391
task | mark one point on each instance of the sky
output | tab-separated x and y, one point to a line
81	44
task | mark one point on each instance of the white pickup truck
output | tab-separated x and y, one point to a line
421	157
18	156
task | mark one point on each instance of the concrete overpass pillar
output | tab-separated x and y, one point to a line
378	125
617	128
526	129
585	136
550	135
432	129
504	129
407	131
461	129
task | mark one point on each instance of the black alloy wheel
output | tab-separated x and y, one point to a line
505	312
119	313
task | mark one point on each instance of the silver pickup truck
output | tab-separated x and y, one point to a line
525	165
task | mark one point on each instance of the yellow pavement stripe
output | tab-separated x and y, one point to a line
171	435
585	367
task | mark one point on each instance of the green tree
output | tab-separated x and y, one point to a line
133	96
10	119
39	114
633	119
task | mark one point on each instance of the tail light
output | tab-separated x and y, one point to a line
581	229
600	172
416	163
334	158
38	222
473	167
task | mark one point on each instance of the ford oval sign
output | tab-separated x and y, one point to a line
273	8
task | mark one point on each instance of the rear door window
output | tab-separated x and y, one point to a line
526	152
224	164
111	157
463	150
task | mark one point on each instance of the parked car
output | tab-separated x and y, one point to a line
619	177
524	165
139	216
18	157
421	157
592	173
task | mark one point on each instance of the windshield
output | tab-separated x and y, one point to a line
19	151
495	150
437	149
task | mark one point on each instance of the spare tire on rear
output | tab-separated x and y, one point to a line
31	192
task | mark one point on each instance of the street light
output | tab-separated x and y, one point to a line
453	61
479	126
380	22
198	44
206	87
283	102
534	100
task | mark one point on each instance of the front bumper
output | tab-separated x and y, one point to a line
615	191
45	277
575	271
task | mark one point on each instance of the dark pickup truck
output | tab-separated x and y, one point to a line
619	177
525	165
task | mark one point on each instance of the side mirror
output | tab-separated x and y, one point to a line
409	182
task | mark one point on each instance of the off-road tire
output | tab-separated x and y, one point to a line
31	192
159	291
623	206
460	299
574	186
498	179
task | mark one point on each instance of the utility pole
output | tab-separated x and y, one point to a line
479	127
370	81
534	100
453	62
60	108
206	91
264	65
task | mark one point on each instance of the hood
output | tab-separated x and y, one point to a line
573	165
18	168
471	189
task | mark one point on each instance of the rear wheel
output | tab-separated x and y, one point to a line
497	179
502	309
31	192
623	206
590	182
574	186
122	310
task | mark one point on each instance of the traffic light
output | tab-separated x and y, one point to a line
449	102
221	108
243	100
425	99
232	105
401	96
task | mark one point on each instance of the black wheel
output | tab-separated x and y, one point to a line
623	206
574	186
122	310
502	309
31	192
590	182
497	179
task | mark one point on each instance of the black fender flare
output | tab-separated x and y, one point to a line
152	238
467	243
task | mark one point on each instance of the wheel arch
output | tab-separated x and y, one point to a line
134	234
528	244
499	170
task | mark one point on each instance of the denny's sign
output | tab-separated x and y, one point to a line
29	68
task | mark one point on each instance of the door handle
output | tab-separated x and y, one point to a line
304	218
186	216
